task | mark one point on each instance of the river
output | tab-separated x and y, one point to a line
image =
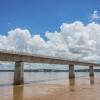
50	86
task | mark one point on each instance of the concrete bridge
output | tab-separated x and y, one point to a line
19	58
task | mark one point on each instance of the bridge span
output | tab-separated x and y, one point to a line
20	57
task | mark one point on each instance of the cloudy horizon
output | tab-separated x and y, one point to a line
73	41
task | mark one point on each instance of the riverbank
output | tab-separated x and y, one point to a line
51	70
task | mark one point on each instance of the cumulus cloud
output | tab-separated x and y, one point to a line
74	41
95	15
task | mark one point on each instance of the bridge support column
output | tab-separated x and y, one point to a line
71	71
91	71
19	73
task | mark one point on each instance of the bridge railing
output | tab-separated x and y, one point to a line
44	56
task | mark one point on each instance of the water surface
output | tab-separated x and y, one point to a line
50	86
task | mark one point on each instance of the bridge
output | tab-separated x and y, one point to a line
20	57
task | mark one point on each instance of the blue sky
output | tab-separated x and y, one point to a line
40	16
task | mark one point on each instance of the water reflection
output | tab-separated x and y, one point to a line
18	92
91	80
72	84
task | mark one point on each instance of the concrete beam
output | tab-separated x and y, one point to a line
31	58
19	73
71	71
91	70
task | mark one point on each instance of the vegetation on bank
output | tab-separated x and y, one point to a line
51	70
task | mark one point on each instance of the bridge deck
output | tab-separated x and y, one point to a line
31	58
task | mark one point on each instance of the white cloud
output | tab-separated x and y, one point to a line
95	15
73	41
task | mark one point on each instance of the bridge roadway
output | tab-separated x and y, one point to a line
20	57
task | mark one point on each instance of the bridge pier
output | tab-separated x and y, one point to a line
91	70
19	73
71	71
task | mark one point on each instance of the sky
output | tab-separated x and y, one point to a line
40	16
68	29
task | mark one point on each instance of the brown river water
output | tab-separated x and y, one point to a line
50	86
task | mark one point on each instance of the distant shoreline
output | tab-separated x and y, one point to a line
52	70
